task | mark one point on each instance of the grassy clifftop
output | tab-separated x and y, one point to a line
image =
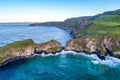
17	44
104	25
15	49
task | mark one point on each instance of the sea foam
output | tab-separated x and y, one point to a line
110	61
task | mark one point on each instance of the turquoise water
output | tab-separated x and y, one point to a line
62	67
66	65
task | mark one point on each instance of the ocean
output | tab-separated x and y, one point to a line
66	65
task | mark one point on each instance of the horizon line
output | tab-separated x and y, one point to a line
29	22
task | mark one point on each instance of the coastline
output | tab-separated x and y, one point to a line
14	59
84	43
109	61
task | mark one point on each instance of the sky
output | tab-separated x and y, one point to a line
52	10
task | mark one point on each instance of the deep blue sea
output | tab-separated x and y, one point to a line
66	65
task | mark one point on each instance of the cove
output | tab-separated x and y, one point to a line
66	65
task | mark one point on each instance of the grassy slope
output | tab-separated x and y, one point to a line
105	25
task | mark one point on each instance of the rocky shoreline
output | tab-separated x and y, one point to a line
100	46
27	48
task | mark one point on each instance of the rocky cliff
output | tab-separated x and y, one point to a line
16	49
52	46
100	46
26	48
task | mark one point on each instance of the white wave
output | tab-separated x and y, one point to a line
95	62
46	55
110	61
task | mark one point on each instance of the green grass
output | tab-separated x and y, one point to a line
17	44
105	25
109	18
56	48
48	42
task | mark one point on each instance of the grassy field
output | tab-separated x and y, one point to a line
105	25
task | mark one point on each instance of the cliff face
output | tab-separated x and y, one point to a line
27	48
17	49
101	46
48	47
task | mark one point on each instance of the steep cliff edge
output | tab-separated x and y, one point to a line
100	46
16	49
26	48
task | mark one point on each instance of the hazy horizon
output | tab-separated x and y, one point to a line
52	10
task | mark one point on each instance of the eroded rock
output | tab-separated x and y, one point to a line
52	46
100	46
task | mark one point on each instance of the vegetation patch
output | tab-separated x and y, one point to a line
56	48
17	45
80	44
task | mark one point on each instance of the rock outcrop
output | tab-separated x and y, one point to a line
52	46
16	49
101	46
83	45
26	48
